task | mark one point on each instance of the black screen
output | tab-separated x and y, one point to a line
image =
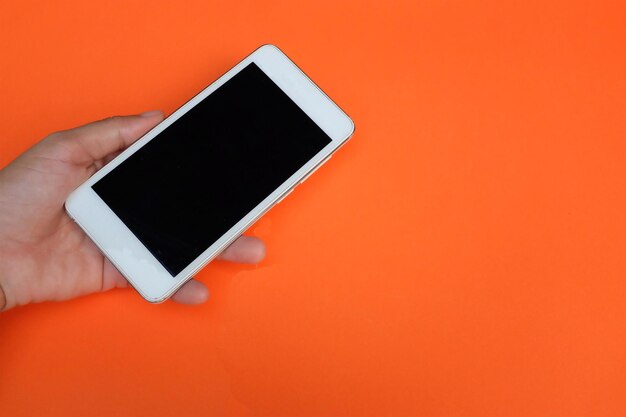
195	180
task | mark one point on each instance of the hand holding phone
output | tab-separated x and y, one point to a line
44	256
186	190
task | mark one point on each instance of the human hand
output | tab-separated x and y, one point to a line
44	255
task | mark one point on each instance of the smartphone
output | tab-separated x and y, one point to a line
176	198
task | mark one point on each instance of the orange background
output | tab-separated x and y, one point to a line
463	255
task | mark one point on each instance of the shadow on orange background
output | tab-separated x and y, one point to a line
463	255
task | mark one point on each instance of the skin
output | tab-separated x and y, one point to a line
44	256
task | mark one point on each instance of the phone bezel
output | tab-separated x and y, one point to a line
122	247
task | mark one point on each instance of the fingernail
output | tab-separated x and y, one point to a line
151	113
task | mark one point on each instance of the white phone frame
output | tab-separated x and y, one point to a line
144	272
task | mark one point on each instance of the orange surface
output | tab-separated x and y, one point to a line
463	255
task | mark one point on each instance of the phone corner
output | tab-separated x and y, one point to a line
346	131
270	46
155	301
151	298
269	49
351	127
70	204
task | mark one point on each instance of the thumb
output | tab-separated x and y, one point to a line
94	141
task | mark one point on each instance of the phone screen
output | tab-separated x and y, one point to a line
195	180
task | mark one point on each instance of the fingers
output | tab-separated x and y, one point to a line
95	141
97	165
192	292
245	250
111	277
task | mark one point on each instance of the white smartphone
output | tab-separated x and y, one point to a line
189	187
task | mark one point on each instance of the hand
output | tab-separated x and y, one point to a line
44	256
